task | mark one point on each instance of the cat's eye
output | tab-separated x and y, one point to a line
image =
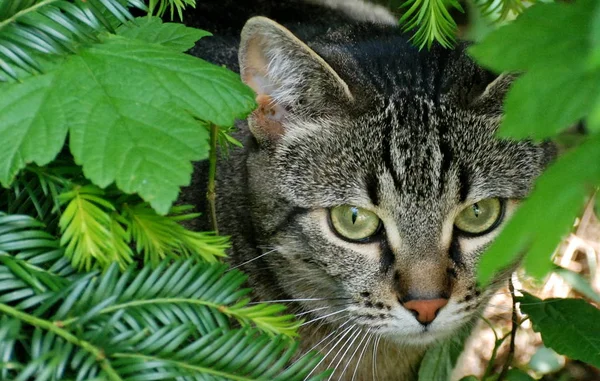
480	217
354	223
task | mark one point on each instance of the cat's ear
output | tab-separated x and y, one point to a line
492	98
289	78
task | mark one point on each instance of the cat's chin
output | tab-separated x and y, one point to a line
422	339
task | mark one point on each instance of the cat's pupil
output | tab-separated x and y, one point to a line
476	210
354	215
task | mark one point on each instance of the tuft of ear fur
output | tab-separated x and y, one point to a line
289	78
492	97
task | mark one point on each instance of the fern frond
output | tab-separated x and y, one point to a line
166	323
159	7
159	237
89	234
183	292
500	10
35	192
29	28
431	21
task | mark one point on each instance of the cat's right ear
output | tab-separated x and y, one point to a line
289	78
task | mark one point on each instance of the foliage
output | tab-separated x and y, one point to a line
560	85
156	87
172	321
95	284
569	326
99	279
432	22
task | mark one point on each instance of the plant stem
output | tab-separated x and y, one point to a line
513	333
68	336
211	194
242	314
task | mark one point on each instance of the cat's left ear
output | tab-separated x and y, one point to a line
289	78
492	98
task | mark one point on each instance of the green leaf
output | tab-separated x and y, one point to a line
547	215
31	118
152	104
537	38
158	237
559	86
171	35
547	100
432	21
89	234
439	361
569	326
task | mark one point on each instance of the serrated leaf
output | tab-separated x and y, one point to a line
32	120
171	35
138	125
564	94
547	215
538	38
569	326
559	86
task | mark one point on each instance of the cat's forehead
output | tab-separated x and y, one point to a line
430	152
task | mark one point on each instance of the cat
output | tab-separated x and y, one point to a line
370	181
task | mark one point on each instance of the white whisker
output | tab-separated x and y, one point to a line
375	346
296	300
352	337
361	355
324	317
345	332
253	259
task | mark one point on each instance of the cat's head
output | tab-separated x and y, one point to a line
376	181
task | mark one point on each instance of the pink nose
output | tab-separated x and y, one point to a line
425	310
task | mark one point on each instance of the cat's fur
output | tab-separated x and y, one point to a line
359	116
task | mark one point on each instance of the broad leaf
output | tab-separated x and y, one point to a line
538	38
560	85
133	110
171	35
569	326
33	125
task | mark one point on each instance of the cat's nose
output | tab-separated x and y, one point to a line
425	310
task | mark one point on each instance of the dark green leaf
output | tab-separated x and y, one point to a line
569	326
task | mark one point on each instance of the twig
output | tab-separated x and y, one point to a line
513	333
211	194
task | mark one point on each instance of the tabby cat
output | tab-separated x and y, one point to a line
370	180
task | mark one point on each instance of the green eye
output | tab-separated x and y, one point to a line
479	217
353	222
